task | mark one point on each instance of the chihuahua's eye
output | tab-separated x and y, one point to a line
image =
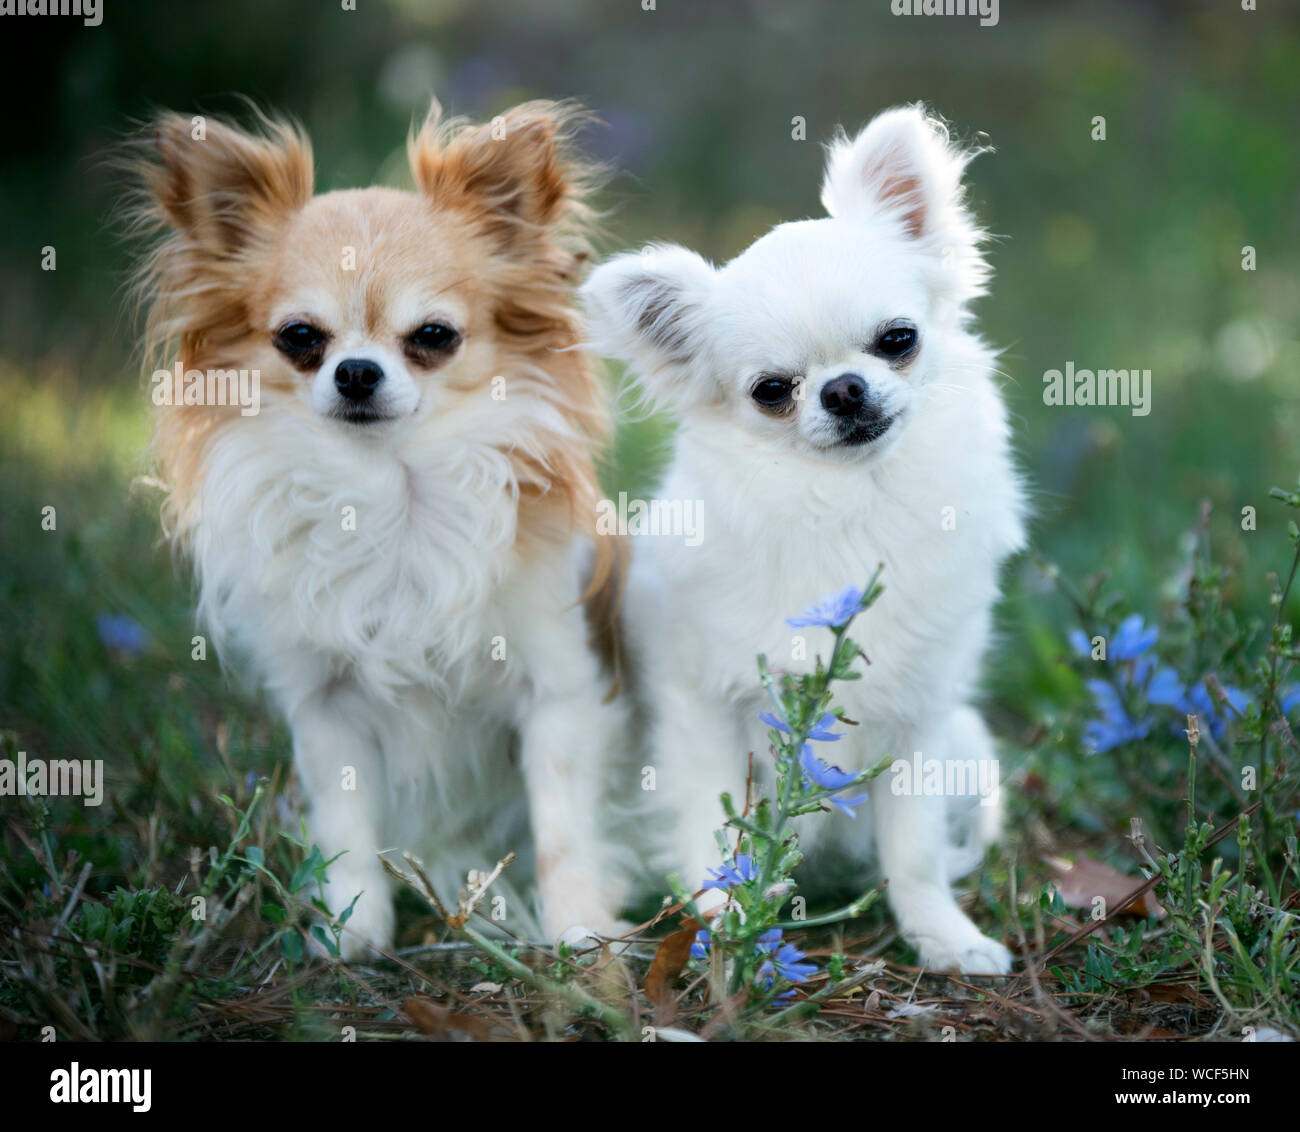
300	342
434	337
773	392
896	341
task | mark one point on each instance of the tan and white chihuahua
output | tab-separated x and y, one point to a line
399	537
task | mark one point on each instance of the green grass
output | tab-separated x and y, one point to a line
178	736
1125	252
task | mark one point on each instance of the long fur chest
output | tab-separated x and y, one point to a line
382	566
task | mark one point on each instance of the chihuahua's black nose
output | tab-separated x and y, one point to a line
357	378
844	395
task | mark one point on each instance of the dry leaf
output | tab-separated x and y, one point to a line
443	1024
1081	882
669	962
1181	994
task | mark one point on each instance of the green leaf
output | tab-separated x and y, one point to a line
323	938
291	946
122	933
303	873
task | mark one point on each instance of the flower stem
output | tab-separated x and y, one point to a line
574	996
848	912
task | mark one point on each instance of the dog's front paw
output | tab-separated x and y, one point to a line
943	935
575	906
579	937
967	952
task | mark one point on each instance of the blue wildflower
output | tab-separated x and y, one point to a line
121	633
1139	671
783	959
821	730
1128	642
1115	727
790	965
1132	638
1198	701
816	772
831	612
1164	688
1167	689
728	876
778	959
1080	642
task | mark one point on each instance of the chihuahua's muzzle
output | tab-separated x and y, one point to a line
356	380
859	416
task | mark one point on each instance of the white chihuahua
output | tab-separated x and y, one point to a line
836	412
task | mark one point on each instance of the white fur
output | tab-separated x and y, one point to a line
377	644
791	516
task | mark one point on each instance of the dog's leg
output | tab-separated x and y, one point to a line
341	768
563	745
567	736
912	842
698	756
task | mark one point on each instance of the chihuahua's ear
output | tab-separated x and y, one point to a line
904	167
516	172
648	309
217	196
225	189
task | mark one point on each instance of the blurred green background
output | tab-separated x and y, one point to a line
1120	253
